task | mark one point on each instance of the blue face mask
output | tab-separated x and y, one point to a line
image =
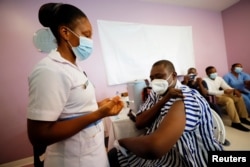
238	69
84	49
213	75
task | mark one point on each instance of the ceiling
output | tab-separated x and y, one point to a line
215	5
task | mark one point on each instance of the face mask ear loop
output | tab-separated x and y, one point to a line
169	76
69	44
168	79
73	32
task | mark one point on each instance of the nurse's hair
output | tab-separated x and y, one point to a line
167	64
53	15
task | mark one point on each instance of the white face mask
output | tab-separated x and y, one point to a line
160	86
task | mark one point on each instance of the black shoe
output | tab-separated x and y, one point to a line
239	126
226	143
245	121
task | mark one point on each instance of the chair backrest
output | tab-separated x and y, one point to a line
218	126
212	100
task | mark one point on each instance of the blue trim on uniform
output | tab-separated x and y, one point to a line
90	125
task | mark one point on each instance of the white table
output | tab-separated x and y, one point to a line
120	126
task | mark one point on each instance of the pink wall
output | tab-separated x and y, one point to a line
236	21
18	55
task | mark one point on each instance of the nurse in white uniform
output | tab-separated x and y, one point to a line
63	113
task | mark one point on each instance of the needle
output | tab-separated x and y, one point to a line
130	101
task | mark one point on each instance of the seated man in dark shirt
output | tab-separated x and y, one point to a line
197	83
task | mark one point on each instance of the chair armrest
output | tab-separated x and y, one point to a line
211	98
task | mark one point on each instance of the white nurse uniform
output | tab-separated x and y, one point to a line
60	90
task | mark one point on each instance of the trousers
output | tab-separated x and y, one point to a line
246	98
235	106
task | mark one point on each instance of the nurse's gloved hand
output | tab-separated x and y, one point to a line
103	102
112	106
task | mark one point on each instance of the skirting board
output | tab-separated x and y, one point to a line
19	163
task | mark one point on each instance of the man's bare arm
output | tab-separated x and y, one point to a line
162	140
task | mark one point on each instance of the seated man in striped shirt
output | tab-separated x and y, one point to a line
179	122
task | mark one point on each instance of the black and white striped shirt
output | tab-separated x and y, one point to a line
197	139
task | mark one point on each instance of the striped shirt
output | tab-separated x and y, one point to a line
197	139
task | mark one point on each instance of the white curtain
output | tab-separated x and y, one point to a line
130	49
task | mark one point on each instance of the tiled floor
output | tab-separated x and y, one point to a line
239	140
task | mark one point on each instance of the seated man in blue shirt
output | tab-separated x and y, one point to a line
239	80
179	122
